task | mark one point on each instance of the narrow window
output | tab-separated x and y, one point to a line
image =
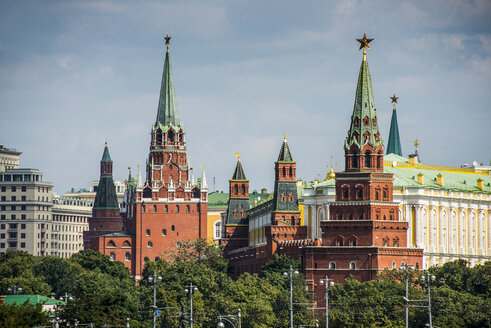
177	208
143	208
155	208
149	244
352	265
367	159
243	189
164	232
236	189
188	209
112	255
332	266
147	232
127	256
291	172
173	228
166	209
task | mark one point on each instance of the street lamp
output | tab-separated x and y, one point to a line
154	278
66	297
15	289
406	267
191	289
428	277
226	318
286	274
329	283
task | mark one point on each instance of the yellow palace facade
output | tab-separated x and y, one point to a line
447	208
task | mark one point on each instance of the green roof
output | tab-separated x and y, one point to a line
239	172
364	117
394	143
167	114
105	156
31	299
454	178
285	154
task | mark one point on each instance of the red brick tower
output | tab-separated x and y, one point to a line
106	217
364	234
170	207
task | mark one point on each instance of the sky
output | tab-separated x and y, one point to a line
74	74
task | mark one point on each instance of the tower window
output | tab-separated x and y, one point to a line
147	232
284	171
166	209
236	189
345	193
355	161
173	228
243	189
367	159
127	256
188	209
177	208
170	136
360	193
149	244
352	265
236	214
291	172
164	232
143	208
283	197
243	214
332	265
155	208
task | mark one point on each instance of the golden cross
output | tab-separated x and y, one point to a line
167	41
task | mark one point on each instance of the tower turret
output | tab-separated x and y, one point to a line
394	143
364	146
106	194
238	202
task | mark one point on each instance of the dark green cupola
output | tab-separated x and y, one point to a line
394	143
106	197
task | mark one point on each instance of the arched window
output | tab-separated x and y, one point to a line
164	232
147	232
170	136
396	242
360	193
236	214
352	265
112	255
353	242
155	208
386	193
126	244
291	198
293	220
361	215
177	208
242	189
159	137
377	194
345	193
284	171
243	214
127	256
291	171
173	228
149	244
394	265
355	161
143	208
283	197
166	209
188	208
236	189
339	242
332	266
367	159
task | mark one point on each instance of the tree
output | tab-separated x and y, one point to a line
24	315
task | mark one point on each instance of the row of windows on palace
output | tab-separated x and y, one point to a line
20	177
56	218
23	189
166	208
352	265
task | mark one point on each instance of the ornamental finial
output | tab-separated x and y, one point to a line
416	144
238	156
284	137
167	41
394	100
365	44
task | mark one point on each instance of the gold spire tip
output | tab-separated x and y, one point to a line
284	137
416	144
202	166
238	156
138	165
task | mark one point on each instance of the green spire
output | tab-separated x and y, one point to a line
285	155
364	126
239	172
394	143
106	157
167	114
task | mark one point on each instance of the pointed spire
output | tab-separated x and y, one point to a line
364	126
204	184
239	171
167	113
106	157
285	155
394	143
139	182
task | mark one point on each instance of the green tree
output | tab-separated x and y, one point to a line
24	315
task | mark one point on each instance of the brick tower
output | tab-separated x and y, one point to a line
364	234
106	217
170	207
235	219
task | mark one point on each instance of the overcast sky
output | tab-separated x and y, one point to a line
74	74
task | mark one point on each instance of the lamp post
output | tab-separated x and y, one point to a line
15	290
226	318
329	283
406	267
154	278
286	274
66	297
191	289
428	277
